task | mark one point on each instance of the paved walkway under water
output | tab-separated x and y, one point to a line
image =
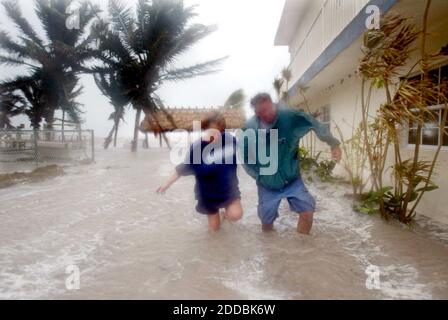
129	243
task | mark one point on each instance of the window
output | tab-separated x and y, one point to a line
325	116
431	135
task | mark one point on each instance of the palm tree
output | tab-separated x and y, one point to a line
54	62
71	110
142	50
110	86
11	105
236	100
286	75
278	84
32	92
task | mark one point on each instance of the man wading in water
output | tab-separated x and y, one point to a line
286	182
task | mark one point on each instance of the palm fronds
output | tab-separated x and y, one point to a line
52	63
141	49
236	99
388	49
11	105
200	69
278	84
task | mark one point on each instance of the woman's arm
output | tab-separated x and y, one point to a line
162	189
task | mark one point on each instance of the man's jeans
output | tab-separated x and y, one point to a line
299	199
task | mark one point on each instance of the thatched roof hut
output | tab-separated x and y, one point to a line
182	118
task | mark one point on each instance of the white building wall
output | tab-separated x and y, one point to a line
344	97
344	100
324	21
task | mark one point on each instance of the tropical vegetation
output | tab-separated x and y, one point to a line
130	55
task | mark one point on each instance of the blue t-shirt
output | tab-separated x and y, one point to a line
215	170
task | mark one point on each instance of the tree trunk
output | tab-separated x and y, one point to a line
109	138
63	125
49	120
136	130
146	144
116	135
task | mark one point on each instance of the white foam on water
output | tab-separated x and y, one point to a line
399	281
45	277
248	279
108	212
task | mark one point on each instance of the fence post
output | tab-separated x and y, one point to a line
36	152
92	132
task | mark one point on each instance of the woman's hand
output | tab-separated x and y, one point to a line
162	189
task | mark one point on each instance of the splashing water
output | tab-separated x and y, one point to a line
130	243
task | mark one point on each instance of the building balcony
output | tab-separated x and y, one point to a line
317	31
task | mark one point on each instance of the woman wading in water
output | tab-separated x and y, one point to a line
216	173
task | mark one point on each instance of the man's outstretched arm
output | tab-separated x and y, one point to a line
324	134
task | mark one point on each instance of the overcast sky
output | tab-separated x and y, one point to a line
246	31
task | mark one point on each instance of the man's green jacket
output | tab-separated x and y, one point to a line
292	125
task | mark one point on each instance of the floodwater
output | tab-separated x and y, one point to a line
129	243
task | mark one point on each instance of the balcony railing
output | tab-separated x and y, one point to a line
332	18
